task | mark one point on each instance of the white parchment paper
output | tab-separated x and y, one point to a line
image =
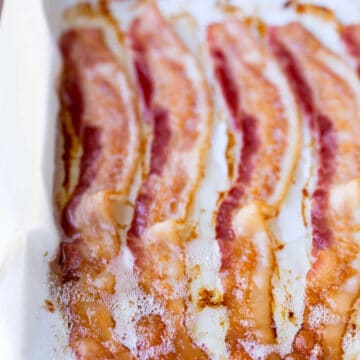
29	64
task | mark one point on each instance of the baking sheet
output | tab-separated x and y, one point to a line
29	64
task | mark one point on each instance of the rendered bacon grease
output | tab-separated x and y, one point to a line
156	119
332	111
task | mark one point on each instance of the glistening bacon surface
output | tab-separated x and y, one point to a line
266	160
351	37
176	107
331	108
98	113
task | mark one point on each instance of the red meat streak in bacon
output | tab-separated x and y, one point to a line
70	258
88	167
72	101
247	127
159	145
352	42
72	97
66	156
323	131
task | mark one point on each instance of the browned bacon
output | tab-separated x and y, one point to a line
260	124
331	108
177	110
99	114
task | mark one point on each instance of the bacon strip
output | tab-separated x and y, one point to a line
177	109
99	113
330	106
351	344
268	156
351	37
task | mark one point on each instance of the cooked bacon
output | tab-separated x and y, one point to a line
266	160
331	108
177	109
99	112
351	37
